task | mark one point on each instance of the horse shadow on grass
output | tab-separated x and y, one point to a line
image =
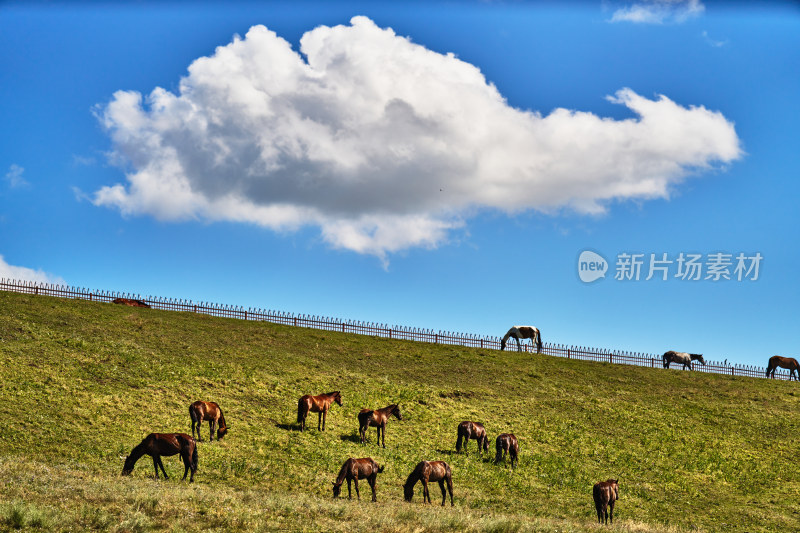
352	437
446	452
287	427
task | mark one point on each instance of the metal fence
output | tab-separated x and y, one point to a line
377	330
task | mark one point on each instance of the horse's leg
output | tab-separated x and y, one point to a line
324	418
425	495
519	346
355	480
378	428
349	490
444	491
383	431
211	425
155	464
187	461
372	482
319	420
611	509
450	488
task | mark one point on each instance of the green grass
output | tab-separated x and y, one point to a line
82	383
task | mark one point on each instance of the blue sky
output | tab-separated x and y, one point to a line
438	165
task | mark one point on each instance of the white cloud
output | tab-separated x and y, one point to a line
14	177
382	144
714	42
659	11
27	274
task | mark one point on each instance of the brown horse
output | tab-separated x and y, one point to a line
430	471
200	411
506	442
784	362
605	494
130	302
158	444
472	430
355	469
682	358
523	332
316	404
377	418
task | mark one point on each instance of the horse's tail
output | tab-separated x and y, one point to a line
460	437
539	342
300	410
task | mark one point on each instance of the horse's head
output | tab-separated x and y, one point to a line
396	412
486	443
502	345
380	468
128	467
408	491
337	398
337	487
699	357
615	487
221	432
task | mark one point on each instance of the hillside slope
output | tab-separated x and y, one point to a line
82	383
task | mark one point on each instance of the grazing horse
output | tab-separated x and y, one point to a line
430	471
605	494
523	332
784	362
355	469
376	418
130	302
200	411
316	404
682	358
158	444
472	430
506	442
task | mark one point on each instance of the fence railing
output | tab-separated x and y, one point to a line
377	330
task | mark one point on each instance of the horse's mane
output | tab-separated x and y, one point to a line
343	471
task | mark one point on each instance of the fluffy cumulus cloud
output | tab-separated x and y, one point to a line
659	11
26	274
381	143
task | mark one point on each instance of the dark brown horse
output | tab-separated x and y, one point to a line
131	302
158	444
200	411
355	469
316	404
784	362
376	418
605	494
682	358
506	443
472	430
430	471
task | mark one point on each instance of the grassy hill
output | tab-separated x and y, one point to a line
82	383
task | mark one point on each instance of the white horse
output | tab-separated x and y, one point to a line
682	358
523	332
